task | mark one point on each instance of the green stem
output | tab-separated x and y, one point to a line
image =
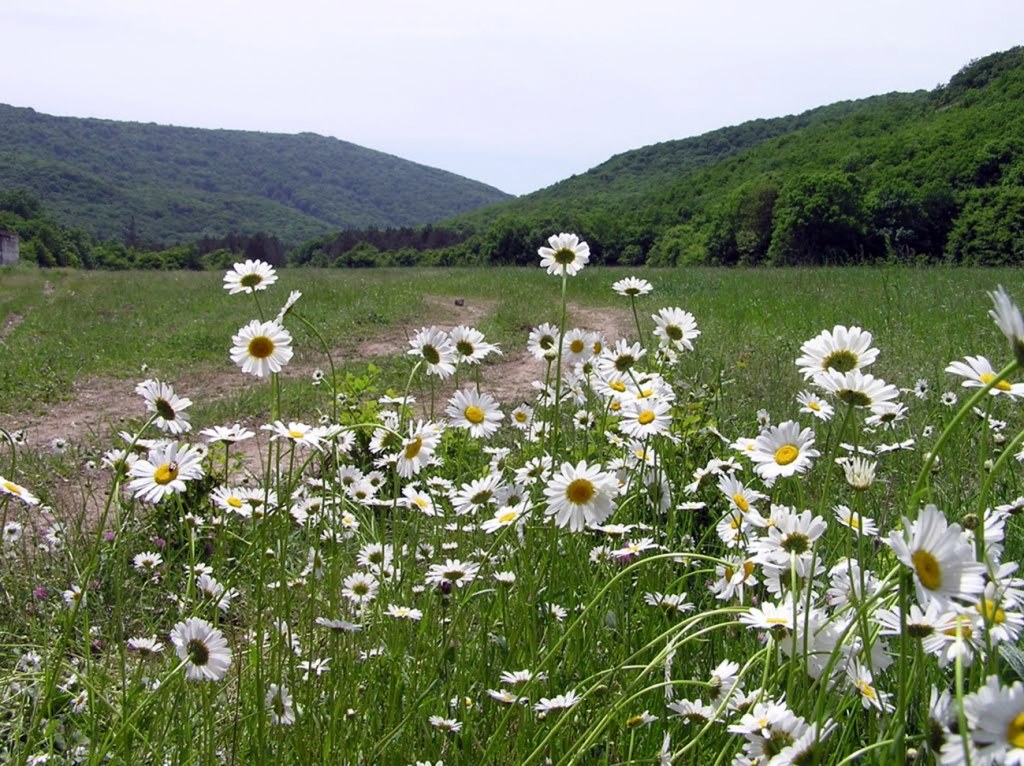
948	430
330	360
558	369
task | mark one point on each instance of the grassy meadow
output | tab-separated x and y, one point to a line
667	558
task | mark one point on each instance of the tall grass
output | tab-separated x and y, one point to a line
622	629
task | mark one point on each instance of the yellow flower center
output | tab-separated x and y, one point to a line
564	256
990	610
1015	731
853	520
166	473
197	651
14	489
577	346
507	517
250	280
812	405
580	491
741	502
786	454
520	416
617	385
164	409
261	347
842	360
646	417
988	377
296	435
961	624
866	689
421	502
234	502
431	354
776	620
412	449
927	568
615	406
674	332
474	414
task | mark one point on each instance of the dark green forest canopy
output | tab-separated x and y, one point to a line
923	176
164	185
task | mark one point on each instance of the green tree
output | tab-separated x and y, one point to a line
990	229
818	220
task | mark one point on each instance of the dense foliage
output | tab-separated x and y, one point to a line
46	243
167	185
910	177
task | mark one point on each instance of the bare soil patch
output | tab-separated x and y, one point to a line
12	321
445	312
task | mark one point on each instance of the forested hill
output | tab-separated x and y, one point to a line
919	176
164	185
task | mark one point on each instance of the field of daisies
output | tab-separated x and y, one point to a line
608	570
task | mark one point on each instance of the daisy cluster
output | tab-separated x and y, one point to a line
603	570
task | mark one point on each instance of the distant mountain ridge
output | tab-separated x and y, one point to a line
167	185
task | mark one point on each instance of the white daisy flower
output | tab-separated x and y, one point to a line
261	348
632	287
812	404
564	254
620	359
543	342
165	472
675	328
943	562
783	450
299	434
445	724
249	277
435	347
202	648
581	494
227	434
279	705
839	349
479	413
470	346
979	373
452	571
8	487
360	588
645	417
857	389
168	407
404	612
558	702
1008	317
995	717
504	517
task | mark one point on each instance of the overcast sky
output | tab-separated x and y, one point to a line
518	94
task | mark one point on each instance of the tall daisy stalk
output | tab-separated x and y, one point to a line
565	255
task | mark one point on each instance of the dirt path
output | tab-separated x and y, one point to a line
100	407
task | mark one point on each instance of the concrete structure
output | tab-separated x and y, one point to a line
8	248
